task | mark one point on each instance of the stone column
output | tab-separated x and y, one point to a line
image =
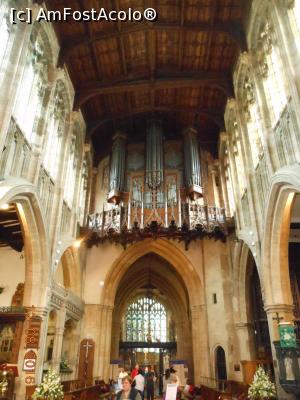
192	163
104	347
286	312
116	327
200	342
247	345
42	312
58	338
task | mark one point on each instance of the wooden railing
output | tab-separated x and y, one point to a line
213	389
88	393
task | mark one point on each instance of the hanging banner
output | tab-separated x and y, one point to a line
287	334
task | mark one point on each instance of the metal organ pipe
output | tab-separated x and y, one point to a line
154	155
192	163
117	168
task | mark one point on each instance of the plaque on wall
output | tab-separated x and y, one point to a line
29	361
33	333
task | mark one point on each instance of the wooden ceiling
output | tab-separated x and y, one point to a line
178	68
10	228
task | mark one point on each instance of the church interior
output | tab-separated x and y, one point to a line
150	194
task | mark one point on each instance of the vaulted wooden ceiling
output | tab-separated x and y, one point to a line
178	67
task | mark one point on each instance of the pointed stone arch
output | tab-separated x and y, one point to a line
166	250
37	253
275	267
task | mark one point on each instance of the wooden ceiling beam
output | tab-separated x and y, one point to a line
212	113
234	29
221	81
181	34
120	40
210	38
91	44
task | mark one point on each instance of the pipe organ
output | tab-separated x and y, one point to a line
157	185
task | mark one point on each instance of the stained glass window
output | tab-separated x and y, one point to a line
146	320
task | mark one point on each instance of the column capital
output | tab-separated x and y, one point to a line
106	307
284	308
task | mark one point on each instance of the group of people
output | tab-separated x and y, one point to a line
135	384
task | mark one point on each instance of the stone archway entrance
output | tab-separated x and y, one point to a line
188	304
149	286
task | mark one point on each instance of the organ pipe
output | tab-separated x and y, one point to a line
192	163
117	168
154	155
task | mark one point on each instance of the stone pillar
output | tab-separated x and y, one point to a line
246	347
116	328
104	347
117	168
42	312
200	342
285	311
192	163
58	338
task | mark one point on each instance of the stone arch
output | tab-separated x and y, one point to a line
196	310
69	263
162	248
243	273
169	290
275	269
39	33
37	265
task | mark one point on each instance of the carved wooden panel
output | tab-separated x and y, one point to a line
86	361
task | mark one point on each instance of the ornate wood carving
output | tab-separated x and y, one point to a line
17	299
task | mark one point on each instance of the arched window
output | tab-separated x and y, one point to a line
228	180
237	155
55	132
294	16
251	114
272	74
72	163
83	191
221	370
31	89
146	320
4	30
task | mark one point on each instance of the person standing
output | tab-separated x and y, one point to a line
127	391
122	375
135	371
140	383
150	382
